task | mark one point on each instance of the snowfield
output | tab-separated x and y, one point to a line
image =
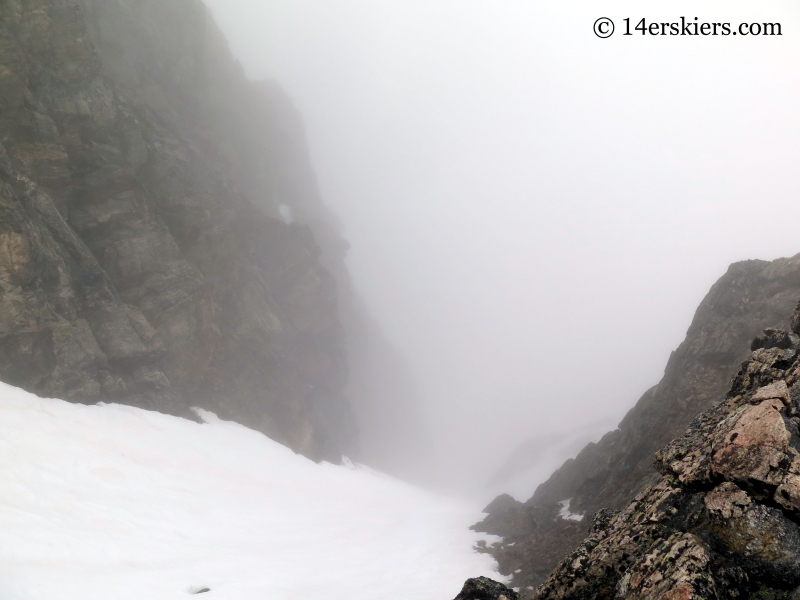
113	502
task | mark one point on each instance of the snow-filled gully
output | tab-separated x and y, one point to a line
108	501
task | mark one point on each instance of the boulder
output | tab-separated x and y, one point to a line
483	588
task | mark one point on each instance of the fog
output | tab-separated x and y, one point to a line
535	213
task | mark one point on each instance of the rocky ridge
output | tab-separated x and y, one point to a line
751	297
723	521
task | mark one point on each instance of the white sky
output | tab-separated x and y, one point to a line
535	213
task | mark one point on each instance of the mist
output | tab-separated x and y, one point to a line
535	213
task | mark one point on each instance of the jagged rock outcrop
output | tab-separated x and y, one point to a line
724	519
483	588
772	338
142	257
751	297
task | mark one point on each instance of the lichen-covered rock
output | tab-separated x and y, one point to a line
642	554
754	447
688	458
753	296
602	520
761	539
723	521
483	588
674	543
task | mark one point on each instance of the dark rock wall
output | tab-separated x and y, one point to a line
750	297
138	260
171	57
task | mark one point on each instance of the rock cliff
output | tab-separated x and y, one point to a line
162	239
751	296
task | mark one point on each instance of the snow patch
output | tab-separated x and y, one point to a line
112	501
565	514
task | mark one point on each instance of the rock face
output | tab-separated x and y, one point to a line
751	296
142	256
722	521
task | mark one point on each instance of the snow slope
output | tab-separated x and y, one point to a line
113	502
